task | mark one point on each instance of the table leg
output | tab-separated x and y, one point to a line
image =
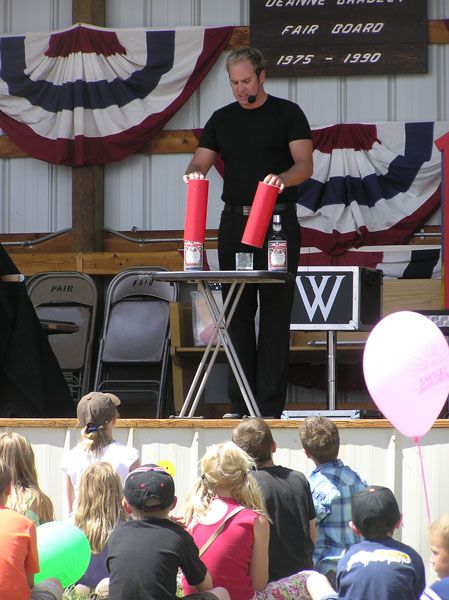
331	369
228	346
220	327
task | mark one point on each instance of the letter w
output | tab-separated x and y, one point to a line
318	291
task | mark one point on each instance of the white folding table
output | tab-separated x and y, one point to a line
237	280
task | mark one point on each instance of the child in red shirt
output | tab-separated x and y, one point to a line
19	560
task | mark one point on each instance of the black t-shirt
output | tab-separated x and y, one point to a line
144	557
254	142
290	506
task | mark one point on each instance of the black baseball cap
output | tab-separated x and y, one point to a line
375	507
149	487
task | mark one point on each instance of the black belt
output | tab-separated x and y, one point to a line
245	210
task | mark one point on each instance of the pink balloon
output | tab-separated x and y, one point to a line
406	368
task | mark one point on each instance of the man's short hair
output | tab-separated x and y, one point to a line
320	438
5	476
375	512
254	437
253	55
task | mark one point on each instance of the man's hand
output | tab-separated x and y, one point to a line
193	175
275	180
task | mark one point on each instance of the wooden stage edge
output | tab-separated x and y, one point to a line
200	423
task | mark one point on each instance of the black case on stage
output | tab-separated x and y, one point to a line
337	299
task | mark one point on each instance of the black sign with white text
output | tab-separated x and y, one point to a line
340	37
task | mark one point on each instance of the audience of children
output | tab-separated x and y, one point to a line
146	552
25	496
228	523
378	566
99	509
97	413
287	498
333	485
439	548
19	560
226	516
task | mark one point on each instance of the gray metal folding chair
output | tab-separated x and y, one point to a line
133	355
70	298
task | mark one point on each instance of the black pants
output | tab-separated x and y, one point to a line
265	360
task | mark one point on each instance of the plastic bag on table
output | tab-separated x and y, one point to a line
202	322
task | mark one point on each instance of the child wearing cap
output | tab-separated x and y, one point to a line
333	485
145	553
97	413
439	547
379	567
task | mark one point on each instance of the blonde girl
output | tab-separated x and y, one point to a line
97	414
98	510
26	496
237	559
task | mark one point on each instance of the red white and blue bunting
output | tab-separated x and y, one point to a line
88	95
372	184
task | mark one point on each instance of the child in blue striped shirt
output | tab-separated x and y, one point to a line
333	484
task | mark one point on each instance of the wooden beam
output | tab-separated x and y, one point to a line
88	208
438	31
94	263
88	180
240	37
9	149
172	142
89	11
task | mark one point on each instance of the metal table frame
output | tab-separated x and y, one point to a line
237	280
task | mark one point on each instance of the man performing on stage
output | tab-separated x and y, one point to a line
260	138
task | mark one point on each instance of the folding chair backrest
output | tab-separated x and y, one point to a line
138	282
136	331
66	287
133	355
136	317
67	296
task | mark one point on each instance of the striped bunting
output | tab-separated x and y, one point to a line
371	184
89	95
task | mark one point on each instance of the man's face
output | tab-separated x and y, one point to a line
439	556
244	81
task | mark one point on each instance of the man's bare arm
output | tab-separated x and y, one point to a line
302	168
200	164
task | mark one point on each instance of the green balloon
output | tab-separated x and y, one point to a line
64	552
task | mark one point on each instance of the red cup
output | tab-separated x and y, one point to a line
260	215
196	210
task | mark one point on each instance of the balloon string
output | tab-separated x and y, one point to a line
423	475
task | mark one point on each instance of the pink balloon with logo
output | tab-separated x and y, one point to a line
406	368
